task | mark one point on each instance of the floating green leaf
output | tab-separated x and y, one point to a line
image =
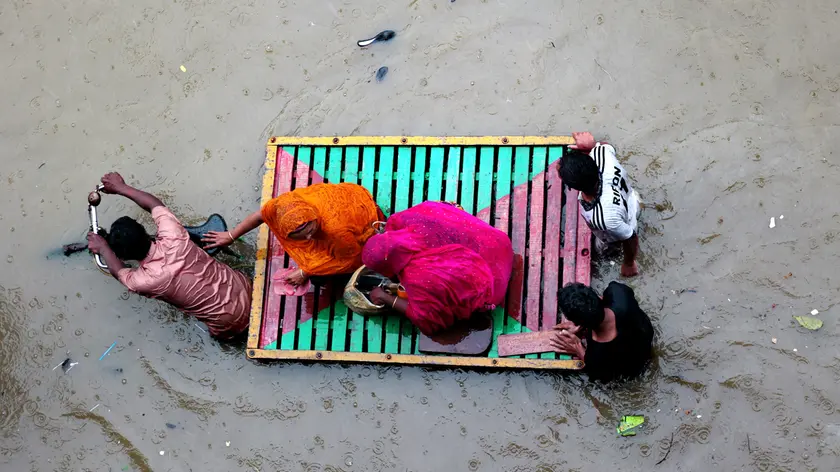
809	322
628	425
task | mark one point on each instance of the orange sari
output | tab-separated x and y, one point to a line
345	212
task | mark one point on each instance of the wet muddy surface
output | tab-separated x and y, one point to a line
725	114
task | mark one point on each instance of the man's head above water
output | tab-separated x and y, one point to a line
129	240
580	172
581	305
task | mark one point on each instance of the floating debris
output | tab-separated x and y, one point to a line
170	425
383	36
815	312
107	351
773	340
628	425
809	322
183	69
380	74
773	222
94	407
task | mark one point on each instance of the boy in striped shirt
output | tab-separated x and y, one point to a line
607	200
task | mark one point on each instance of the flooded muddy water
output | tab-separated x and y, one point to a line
725	114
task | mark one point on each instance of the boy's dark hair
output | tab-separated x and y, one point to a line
581	305
129	240
579	172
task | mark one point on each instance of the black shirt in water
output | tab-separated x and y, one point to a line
626	355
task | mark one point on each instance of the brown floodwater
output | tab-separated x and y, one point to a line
725	114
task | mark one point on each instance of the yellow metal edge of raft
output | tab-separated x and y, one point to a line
253	351
262	252
422	141
412	359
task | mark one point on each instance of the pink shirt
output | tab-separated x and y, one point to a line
179	272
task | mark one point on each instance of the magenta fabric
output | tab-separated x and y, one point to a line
451	263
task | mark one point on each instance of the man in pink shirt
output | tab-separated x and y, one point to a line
172	268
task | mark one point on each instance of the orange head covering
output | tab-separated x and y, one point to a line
288	214
345	213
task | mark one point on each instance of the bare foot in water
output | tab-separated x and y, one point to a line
629	271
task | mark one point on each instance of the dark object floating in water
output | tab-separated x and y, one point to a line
380	74
170	425
383	36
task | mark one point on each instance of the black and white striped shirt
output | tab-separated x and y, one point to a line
612	216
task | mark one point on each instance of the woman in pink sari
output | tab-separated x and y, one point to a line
450	263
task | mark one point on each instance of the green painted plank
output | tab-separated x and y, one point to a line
305	155
319	163
503	177
453	174
398	329
384	179
485	182
435	173
403	179
333	174
351	165
403	175
339	323
357	321
418	177
322	329
501	222
468	181
305	334
368	172
521	165
373	324
337	327
419	181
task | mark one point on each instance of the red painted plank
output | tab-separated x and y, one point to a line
517	238
535	252
583	255
290	313
525	343
570	242
551	263
271	310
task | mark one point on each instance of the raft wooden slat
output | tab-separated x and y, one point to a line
483	200
570	243
397	324
357	321
337	328
551	250
518	232
277	260
502	223
509	182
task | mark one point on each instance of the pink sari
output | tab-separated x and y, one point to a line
451	263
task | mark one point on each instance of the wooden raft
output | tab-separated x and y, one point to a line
509	182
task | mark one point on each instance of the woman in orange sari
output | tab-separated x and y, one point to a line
322	227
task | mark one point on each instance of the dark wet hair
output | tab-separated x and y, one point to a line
579	172
581	305
129	240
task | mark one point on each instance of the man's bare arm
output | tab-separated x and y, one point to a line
113	183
